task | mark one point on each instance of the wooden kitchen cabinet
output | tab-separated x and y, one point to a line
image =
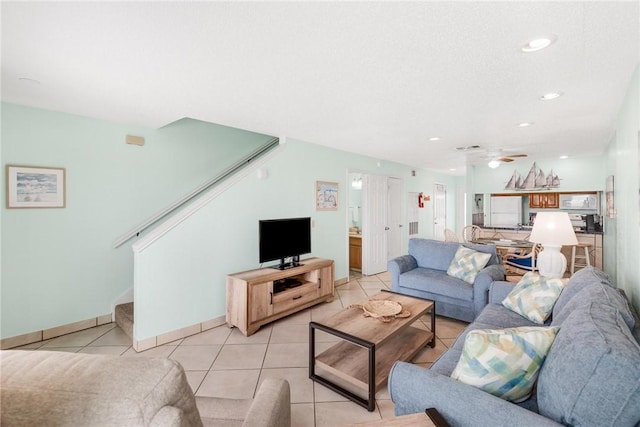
544	200
355	253
257	297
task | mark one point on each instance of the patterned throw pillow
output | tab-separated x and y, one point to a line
467	263
534	296
504	362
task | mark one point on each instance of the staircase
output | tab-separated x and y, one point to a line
124	318
166	222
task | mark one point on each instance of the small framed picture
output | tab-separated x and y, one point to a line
326	196
35	187
609	194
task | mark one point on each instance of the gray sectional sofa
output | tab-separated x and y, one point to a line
49	388
423	273
591	375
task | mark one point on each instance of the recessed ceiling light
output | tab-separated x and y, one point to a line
539	43
551	95
525	124
493	164
452	169
435	138
564	157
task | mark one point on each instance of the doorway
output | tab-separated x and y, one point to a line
380	220
439	211
394	215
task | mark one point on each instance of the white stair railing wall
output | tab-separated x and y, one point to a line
173	263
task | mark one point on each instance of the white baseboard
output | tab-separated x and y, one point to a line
148	343
45	334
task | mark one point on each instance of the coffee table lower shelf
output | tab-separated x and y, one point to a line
345	360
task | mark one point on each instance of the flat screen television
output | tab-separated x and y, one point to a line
283	238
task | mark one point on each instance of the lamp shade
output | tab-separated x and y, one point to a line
553	229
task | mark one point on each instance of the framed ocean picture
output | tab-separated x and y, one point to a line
35	187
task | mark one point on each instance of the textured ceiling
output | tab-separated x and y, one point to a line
375	78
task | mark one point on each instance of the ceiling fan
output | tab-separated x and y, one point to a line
497	158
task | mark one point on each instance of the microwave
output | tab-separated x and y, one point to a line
581	202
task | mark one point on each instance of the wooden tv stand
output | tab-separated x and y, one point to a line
257	297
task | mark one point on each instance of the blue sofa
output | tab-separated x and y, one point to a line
591	375
423	273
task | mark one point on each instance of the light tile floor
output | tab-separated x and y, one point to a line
222	362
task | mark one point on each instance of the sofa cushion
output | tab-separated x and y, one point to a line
588	278
432	253
467	263
504	362
534	296
438	255
437	282
498	316
592	374
588	287
579	280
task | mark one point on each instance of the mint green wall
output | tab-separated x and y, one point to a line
623	232
586	173
184	272
59	265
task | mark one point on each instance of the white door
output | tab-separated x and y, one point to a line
374	235
394	218
439	211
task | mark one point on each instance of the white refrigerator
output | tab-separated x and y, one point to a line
506	211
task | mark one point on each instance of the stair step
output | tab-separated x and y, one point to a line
124	318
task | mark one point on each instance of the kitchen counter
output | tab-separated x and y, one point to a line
528	228
594	239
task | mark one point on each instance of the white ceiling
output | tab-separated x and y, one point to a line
375	78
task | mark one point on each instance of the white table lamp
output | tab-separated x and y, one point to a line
552	230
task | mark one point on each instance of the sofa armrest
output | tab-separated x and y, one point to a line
75	389
481	285
414	389
272	405
499	290
168	416
400	265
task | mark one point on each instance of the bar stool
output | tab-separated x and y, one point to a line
578	259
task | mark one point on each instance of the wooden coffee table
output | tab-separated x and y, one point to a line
369	347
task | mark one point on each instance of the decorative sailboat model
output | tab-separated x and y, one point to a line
515	182
535	180
552	179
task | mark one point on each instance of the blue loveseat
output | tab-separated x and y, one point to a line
423	273
590	377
